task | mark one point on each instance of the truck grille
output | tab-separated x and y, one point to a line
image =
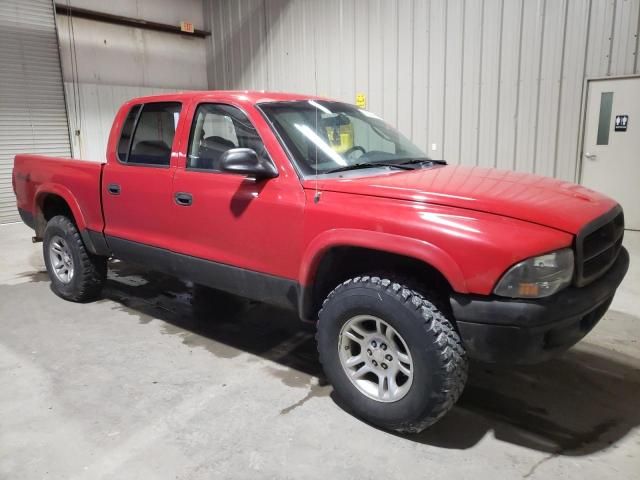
598	245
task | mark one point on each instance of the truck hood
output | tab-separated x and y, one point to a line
553	203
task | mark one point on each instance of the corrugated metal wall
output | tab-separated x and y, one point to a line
105	64
32	112
488	82
98	106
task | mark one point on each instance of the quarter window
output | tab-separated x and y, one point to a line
152	135
216	129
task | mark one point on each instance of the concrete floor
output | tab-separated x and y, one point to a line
134	386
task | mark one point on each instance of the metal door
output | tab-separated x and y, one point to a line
611	150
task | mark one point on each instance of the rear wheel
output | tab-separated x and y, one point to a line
75	273
392	357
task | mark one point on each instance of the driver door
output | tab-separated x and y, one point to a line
232	219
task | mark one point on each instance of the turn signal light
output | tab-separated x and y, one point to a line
528	290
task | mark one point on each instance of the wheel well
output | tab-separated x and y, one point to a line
341	263
53	205
50	206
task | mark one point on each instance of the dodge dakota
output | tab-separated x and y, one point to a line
407	266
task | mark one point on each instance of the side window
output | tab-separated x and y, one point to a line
153	134
217	128
126	133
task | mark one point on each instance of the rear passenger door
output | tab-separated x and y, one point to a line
137	184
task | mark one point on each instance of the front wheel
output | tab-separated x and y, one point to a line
392	357
75	273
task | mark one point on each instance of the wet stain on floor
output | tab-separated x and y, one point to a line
196	340
35	276
315	390
291	378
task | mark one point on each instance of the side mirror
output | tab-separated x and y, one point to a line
246	161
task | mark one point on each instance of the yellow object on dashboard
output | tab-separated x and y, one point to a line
340	137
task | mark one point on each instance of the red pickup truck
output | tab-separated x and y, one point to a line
409	266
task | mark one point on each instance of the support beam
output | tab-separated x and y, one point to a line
127	21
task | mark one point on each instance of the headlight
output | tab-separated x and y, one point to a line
538	277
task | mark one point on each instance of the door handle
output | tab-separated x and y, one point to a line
113	189
590	156
184	199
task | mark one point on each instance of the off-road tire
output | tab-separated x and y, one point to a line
440	361
90	271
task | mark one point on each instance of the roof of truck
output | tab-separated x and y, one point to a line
249	96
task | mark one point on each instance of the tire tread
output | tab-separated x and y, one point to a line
93	268
448	343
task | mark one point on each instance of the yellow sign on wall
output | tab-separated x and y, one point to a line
361	100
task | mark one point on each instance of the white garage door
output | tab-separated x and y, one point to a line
33	117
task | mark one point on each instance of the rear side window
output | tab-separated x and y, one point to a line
152	134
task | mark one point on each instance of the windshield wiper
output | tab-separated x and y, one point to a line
357	166
414	161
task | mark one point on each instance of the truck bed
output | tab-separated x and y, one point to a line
76	181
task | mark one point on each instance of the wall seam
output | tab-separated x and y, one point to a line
613	29
585	86
381	29
444	93
517	112
303	34
210	42
228	68
560	89
464	21
497	126
241	49
534	165
223	47
635	53
355	54
252	54
368	56
266	42
478	119
342	42
413	59
397	58
428	23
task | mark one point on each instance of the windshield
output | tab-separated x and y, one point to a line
326	136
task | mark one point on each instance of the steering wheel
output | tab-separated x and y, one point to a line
355	148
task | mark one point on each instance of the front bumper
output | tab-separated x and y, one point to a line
503	330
